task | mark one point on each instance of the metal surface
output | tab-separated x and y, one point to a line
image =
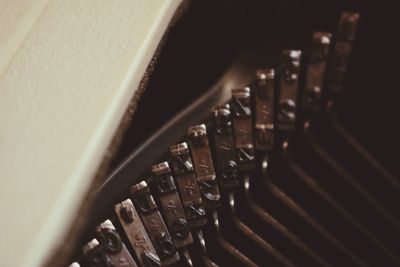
110	251
203	165
187	185
171	205
288	90
224	147
136	233
264	110
316	65
243	128
154	223
341	52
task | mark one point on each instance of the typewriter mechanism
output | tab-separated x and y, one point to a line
260	169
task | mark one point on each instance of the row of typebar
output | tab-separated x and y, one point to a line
188	186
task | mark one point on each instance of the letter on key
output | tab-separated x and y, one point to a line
289	83
316	64
203	165
227	168
154	223
95	255
171	205
341	52
264	110
114	251
136	233
243	128
187	185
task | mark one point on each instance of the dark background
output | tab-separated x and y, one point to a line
204	42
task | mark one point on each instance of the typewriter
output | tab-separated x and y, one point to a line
282	152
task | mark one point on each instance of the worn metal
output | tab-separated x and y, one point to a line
264	109
341	51
109	249
187	185
288	90
203	165
240	105
171	205
315	71
136	233
154	223
224	147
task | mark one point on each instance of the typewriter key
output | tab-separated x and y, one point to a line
187	185
154	223
136	233
243	128
264	110
341	52
95	255
224	147
171	205
289	81
203	165
316	65
112	245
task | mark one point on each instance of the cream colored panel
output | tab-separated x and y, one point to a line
61	98
17	18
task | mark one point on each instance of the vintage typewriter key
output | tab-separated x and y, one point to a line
95	255
315	73
112	245
154	223
341	53
203	165
264	110
136	233
224	147
289	81
243	128
187	185
171	205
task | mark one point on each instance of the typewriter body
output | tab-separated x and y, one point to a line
199	133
